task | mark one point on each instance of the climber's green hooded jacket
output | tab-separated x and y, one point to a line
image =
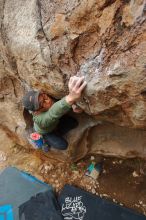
46	122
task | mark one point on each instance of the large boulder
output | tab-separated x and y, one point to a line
44	42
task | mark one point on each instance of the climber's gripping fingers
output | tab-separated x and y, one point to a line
76	85
76	109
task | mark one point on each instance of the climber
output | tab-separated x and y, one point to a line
50	118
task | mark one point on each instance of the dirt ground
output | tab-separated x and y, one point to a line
121	180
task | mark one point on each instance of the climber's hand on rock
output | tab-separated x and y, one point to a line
77	109
76	85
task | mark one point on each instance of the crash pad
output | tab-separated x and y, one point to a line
17	187
77	204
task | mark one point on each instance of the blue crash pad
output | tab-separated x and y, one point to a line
17	187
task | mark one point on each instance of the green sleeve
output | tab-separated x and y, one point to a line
57	110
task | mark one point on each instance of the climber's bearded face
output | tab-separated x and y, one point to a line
45	102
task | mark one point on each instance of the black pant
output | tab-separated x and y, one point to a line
55	139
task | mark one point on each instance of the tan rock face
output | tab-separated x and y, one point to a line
43	43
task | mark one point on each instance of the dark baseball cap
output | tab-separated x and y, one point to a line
30	100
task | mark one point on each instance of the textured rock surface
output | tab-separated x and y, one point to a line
44	42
